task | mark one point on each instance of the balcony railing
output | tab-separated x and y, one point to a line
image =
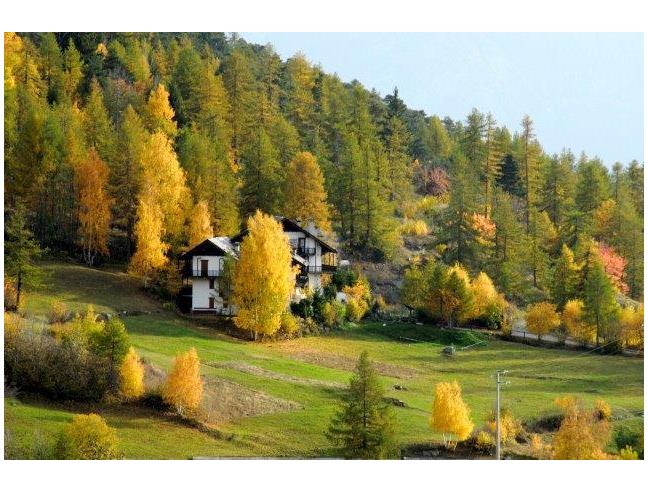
306	252
321	268
205	273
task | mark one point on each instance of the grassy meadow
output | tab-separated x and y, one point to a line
276	399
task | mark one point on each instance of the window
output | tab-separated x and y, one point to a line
211	283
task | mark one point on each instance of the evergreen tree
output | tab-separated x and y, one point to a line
565	278
363	426
492	163
601	309
528	157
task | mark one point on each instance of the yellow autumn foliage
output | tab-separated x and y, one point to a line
581	435
631	323
264	278
484	296
358	299
131	376
159	111
574	322
150	249
199	224
414	228
87	437
542	318
183	387
450	415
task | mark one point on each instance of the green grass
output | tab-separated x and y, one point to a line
411	351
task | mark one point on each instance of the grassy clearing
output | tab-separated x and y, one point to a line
286	370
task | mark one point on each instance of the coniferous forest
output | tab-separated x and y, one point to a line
117	146
124	151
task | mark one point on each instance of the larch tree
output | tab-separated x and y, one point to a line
262	176
183	387
98	128
264	278
149	248
159	113
601	308
492	162
305	196
450	415
91	183
573	320
565	278
581	435
541	318
131	376
528	156
199	224
363	426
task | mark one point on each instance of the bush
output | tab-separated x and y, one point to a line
183	387
131	376
542	318
88	437
510	427
602	410
11	296
343	277
625	435
484	442
414	228
289	324
333	314
358	299
628	453
58	313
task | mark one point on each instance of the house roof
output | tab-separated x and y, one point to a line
291	225
214	246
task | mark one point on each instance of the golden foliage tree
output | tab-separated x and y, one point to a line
305	196
358	299
88	437
159	111
150	249
574	322
91	183
131	376
163	181
450	415
264	278
631	323
581	436
542	318
183	387
199	224
484	296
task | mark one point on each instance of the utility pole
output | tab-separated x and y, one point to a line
498	383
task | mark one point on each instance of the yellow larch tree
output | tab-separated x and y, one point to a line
264	278
199	224
631	323
163	180
159	112
91	183
450	415
305	196
149	248
183	387
484	295
542	318
574	321
582	435
131	376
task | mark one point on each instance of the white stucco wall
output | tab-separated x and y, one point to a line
213	262
200	293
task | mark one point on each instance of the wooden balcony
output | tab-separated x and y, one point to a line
187	272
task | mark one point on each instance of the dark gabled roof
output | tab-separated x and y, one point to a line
290	225
215	246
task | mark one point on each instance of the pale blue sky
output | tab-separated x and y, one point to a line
584	91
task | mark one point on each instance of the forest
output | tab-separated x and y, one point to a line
129	147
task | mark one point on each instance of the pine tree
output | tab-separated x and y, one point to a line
20	250
305	196
363	427
592	186
601	308
264	278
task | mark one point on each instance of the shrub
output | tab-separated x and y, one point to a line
131	376
631	324
484	442
542	318
58	313
289	324
625	435
628	453
88	437
333	314
510	427
62	369
581	436
414	228
358	299
354	311
110	344
183	387
343	277
11	296
602	410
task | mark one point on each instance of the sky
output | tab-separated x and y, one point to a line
583	90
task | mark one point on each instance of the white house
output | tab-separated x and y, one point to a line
204	266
